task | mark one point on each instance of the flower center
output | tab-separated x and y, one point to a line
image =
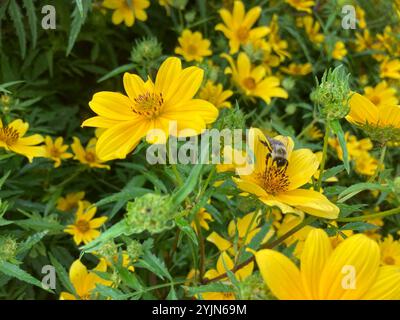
9	135
243	34
375	100
55	152
192	49
90	156
83	226
249	83
148	104
274	179
389	260
228	295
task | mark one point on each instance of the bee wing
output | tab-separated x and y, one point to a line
288	143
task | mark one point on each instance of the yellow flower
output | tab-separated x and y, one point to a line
280	185
71	201
364	41
312	29
339	51
203	216
390	251
84	281
326	273
55	150
381	94
225	264
87	155
301	5
12	139
127	10
246	228
150	106
215	94
314	133
193	46
238	26
252	80
366	165
360	13
289	222
355	148
84	229
390	69
297	69
126	261
381	123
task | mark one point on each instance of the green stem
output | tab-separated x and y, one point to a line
177	174
371	216
306	129
380	164
201	247
324	156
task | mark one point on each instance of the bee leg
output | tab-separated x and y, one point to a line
267	158
266	145
286	164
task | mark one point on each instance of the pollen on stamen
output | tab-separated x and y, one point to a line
148	104
274	179
9	135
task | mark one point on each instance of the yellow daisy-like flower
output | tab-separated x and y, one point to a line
252	80
314	133
364	41
216	94
71	201
193	46
246	229
87	155
301	5
225	264
312	29
390	251
56	150
355	148
238	26
150	105
84	281
339	51
351	271
295	69
127	10
203	216
366	164
360	13
381	123
126	261
390	69
12	139
381	94
84	229
280	185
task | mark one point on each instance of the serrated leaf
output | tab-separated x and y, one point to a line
32	19
154	264
14	271
62	274
186	228
77	22
15	13
31	241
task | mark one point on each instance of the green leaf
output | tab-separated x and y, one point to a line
212	287
358	226
32	19
4	178
129	278
116	72
154	264
186	228
337	129
15	13
14	271
256	241
31	241
78	19
108	292
357	188
62	274
331	172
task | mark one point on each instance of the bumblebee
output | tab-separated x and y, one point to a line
277	152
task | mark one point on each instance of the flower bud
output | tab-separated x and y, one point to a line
8	248
333	94
108	250
232	118
397	185
146	53
151	212
134	250
254	288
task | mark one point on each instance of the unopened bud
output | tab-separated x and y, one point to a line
8	248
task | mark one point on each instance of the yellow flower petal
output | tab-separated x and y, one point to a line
386	286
